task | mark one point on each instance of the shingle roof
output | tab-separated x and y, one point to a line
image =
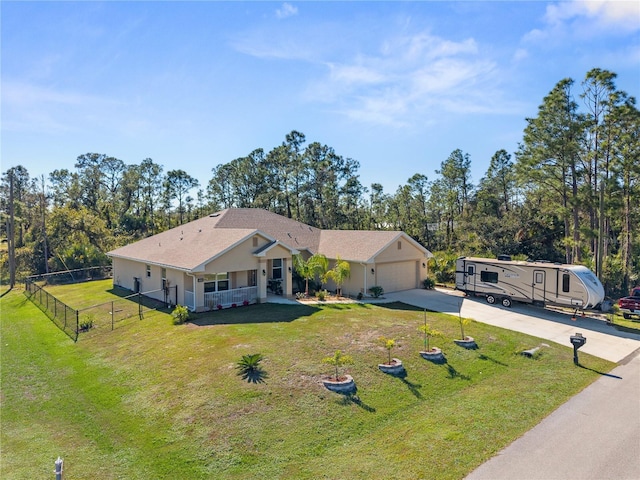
195	243
355	245
291	232
184	247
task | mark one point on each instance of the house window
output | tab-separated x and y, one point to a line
489	277
148	271
252	278
163	274
216	282
276	268
565	282
255	241
399	245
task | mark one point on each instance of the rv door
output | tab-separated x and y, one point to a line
470	277
539	290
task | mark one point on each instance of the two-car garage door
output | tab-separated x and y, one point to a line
397	276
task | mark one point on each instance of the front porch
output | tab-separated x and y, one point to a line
234	297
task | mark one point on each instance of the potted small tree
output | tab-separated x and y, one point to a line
430	353
339	383
465	341
393	366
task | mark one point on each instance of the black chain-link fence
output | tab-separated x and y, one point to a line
65	317
72	276
96	318
126	306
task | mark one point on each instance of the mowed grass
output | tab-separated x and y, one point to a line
156	400
88	294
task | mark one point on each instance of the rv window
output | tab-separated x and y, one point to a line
470	270
490	277
539	277
565	282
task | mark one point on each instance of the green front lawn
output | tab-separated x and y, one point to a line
155	400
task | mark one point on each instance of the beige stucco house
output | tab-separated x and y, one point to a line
241	255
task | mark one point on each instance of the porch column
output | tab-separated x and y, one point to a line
287	265
262	280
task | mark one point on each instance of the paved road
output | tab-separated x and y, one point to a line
603	340
593	436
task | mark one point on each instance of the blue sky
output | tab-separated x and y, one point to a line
396	86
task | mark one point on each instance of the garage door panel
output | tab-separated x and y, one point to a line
397	276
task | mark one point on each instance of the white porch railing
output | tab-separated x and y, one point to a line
228	298
189	300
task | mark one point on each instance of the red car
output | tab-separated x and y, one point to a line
630	305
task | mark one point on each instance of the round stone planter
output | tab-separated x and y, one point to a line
468	342
433	355
393	368
344	384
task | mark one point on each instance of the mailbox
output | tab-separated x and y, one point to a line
577	341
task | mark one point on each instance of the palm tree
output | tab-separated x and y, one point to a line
316	265
339	273
249	368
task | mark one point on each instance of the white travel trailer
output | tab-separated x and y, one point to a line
540	283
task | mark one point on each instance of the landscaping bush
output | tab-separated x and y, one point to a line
376	291
428	284
180	314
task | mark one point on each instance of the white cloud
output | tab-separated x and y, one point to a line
617	13
587	18
287	10
410	78
30	107
520	54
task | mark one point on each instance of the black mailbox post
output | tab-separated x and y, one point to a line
577	341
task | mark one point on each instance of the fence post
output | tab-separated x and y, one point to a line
59	468
77	324
140	305
112	314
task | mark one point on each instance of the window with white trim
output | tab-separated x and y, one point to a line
276	268
216	282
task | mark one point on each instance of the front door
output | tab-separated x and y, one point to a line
470	277
539	290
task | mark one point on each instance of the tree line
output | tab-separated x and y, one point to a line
568	194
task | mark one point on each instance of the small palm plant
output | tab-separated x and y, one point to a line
180	314
249	368
338	360
388	343
428	333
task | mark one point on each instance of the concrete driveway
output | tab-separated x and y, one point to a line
603	340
